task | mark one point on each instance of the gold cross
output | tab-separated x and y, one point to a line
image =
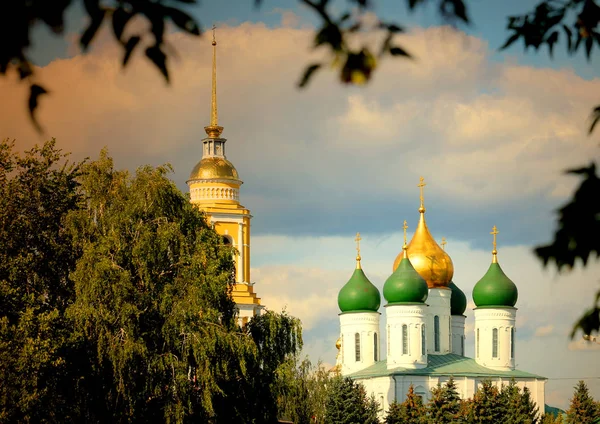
214	37
421	185
404	227
494	232
357	240
444	243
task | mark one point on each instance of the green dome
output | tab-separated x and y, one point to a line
359	294
458	301
405	285
495	289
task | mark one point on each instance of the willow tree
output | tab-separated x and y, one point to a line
134	319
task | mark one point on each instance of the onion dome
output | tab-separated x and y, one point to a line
426	256
495	289
458	300
359	294
405	285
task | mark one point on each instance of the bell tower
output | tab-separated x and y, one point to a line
215	189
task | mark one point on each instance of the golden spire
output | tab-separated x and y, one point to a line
214	130
495	251
358	239
426	256
444	243
404	246
421	185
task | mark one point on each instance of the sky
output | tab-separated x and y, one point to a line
491	132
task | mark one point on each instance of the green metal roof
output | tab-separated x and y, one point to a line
442	365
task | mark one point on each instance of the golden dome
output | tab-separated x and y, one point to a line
214	168
427	257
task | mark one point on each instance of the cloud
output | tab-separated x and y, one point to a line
544	330
491	139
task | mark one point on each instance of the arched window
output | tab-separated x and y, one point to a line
375	346
512	342
423	347
404	339
462	345
477	343
495	343
436	333
357	347
388	340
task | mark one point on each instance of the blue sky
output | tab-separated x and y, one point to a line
491	133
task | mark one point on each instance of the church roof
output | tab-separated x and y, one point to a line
442	365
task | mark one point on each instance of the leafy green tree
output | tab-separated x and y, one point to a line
411	411
348	403
301	391
37	191
517	406
486	405
116	302
583	409
551	419
445	403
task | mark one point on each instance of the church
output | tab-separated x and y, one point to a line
425	326
424	310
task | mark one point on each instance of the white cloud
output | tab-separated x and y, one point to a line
544	330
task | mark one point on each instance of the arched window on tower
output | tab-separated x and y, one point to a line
357	347
228	241
436	333
495	343
404	339
375	352
423	347
462	345
512	342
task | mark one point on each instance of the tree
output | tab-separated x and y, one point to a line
411	411
37	191
445	404
517	406
582	409
486	406
348	403
302	391
116	302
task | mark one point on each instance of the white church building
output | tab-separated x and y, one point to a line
425	326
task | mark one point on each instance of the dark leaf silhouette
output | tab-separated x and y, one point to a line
183	21
35	91
399	51
129	47
158	57
308	73
119	20
92	29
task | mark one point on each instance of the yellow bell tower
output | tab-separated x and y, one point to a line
215	188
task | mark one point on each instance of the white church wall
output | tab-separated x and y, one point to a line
439	305
406	336
458	334
494	337
366	326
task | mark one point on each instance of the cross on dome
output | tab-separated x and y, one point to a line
495	251
421	185
358	258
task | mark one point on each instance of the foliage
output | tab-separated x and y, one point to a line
583	409
302	391
37	191
445	404
486	406
551	419
411	411
577	238
348	403
116	302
